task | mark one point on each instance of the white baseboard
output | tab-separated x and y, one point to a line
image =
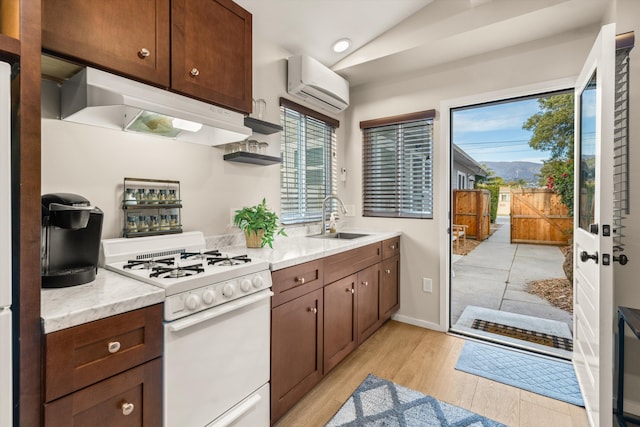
418	322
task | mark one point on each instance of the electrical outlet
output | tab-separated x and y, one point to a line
350	210
427	285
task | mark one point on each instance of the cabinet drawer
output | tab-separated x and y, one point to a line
85	354
132	398
346	263
390	247
293	282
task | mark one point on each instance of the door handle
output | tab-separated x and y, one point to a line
584	257
622	259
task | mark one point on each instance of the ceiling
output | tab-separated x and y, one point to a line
391	37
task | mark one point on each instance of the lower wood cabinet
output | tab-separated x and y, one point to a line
132	398
389	287
322	310
367	302
339	321
296	350
106	373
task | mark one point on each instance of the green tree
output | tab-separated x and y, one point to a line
552	129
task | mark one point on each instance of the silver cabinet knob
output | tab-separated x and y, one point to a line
365	283
194	72
353	291
387	271
312	310
127	408
299	280
143	53
114	347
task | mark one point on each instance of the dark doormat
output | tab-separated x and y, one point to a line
523	334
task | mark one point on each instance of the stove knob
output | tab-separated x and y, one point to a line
258	282
245	285
193	302
209	296
228	289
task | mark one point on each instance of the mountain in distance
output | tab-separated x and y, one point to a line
513	171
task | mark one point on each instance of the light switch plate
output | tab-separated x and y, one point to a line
427	284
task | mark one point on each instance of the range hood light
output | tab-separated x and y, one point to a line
186	125
97	98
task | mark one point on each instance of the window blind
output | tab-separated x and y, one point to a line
397	166
308	169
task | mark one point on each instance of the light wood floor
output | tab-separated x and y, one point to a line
425	360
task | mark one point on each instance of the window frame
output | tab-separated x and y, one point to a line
307	209
399	197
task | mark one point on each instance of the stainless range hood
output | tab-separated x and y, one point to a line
102	99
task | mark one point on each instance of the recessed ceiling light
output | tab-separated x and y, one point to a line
341	45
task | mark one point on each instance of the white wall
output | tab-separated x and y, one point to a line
540	61
93	162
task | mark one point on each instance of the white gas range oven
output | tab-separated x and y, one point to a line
216	327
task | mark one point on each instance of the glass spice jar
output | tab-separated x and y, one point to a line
130	197
151	196
162	196
141	197
154	225
164	222
131	224
172	195
143	224
173	223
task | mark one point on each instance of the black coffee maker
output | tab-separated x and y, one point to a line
71	230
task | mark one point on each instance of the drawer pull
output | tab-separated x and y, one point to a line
299	280
127	408
353	291
392	246
387	271
194	72
114	347
143	53
312	310
365	283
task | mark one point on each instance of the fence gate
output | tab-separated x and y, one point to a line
538	216
473	209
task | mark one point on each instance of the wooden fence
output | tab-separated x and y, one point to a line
538	216
472	208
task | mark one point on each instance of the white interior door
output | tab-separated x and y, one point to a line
593	216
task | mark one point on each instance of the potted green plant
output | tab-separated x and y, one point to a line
259	224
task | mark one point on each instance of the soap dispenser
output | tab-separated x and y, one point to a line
332	222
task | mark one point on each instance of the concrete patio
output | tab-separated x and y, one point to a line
494	275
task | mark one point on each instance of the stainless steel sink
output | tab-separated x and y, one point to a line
339	235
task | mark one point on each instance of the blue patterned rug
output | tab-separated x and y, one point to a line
377	402
548	377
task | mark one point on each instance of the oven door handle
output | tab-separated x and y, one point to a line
214	312
230	417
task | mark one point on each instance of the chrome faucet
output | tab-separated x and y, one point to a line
323	230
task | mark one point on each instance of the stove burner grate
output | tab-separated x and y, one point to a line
227	261
147	264
176	272
200	255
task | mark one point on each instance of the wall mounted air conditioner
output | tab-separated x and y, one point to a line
318	85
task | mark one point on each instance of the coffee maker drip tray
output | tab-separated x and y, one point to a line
69	277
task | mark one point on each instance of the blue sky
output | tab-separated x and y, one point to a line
494	132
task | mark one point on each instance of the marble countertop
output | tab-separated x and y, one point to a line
109	294
293	250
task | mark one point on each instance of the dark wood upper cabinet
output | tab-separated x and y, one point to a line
212	51
199	48
122	36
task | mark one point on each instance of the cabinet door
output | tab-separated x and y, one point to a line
122	36
389	287
211	52
367	302
132	398
339	321
296	350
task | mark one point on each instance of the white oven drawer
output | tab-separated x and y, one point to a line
215	361
251	412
